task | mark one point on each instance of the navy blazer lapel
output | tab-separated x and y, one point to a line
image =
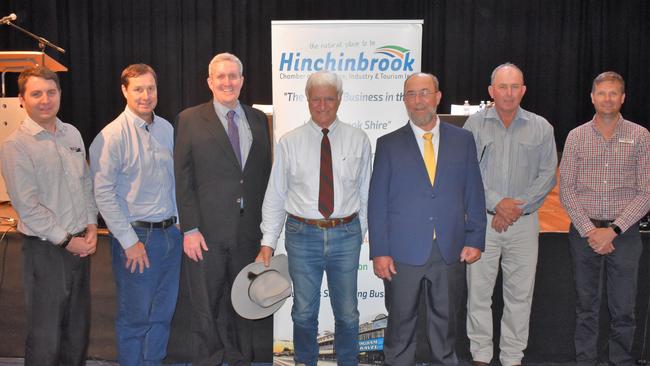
445	151
257	131
414	154
213	125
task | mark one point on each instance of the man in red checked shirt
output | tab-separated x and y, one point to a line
605	188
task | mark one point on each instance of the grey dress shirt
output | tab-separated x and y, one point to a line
517	162
48	180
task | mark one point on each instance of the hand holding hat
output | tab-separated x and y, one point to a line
259	291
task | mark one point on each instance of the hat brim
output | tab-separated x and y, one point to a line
242	303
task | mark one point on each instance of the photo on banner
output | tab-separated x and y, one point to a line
373	58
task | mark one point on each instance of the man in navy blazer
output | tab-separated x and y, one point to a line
426	219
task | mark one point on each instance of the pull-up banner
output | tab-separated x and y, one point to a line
373	57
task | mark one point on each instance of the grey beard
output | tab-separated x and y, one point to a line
423	121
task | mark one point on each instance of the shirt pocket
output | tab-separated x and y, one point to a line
74	162
529	154
625	166
349	168
484	149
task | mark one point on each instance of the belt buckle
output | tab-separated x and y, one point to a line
322	224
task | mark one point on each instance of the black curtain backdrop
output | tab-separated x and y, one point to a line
560	44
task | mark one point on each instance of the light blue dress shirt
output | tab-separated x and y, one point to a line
245	134
133	173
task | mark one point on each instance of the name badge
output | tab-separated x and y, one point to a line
626	141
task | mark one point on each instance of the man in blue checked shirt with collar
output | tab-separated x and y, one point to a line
605	188
518	161
132	166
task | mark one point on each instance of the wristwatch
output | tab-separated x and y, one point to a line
616	229
66	241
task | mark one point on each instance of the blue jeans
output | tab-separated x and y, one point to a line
312	251
146	301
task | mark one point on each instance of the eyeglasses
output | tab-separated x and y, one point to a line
424	93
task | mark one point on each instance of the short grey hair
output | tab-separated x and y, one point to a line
436	84
222	57
608	76
324	78
504	65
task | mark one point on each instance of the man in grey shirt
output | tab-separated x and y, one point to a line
44	166
518	160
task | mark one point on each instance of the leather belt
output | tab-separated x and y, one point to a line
82	233
601	223
155	225
325	223
494	213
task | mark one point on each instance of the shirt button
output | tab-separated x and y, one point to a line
238	200
241	181
430	218
605	182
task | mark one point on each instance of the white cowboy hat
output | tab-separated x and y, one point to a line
260	291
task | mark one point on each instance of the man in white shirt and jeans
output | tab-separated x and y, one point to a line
320	180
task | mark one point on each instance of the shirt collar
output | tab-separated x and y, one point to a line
222	110
33	128
617	129
318	128
420	132
139	122
492	114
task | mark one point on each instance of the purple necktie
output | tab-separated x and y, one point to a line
233	135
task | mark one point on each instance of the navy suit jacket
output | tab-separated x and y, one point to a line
404	209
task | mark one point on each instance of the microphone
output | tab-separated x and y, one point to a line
9	18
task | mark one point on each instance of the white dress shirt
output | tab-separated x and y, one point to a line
435	139
294	183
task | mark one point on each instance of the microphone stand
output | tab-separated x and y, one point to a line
42	42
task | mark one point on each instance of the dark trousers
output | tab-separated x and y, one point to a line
57	292
219	334
617	271
442	285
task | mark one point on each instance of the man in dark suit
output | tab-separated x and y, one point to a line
426	217
222	162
